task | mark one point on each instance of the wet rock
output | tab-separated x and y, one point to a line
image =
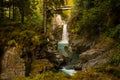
91	58
93	53
68	49
69	66
56	28
80	45
57	33
78	66
57	58
90	54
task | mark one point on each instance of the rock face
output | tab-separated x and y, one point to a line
56	28
97	55
79	46
93	54
92	57
12	64
56	58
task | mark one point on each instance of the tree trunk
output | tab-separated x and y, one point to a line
9	13
1	10
22	17
66	2
13	12
22	14
44	15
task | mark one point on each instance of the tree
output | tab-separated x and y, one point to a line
94	17
45	15
49	7
1	9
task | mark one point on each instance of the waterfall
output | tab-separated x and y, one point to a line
64	34
61	45
64	41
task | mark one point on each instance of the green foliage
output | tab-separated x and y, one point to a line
52	6
109	69
115	60
112	67
118	46
12	43
30	38
51	76
40	66
20	78
47	76
81	75
114	32
92	18
91	74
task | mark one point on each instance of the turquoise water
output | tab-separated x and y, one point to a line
73	56
61	49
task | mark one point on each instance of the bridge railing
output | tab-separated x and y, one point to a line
66	7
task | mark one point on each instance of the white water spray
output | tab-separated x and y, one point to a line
64	34
70	72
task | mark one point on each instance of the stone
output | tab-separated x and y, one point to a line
12	64
57	58
91	58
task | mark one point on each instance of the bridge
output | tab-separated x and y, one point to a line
66	7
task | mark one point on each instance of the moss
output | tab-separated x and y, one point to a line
115	60
39	66
90	74
46	76
105	42
12	42
19	78
109	69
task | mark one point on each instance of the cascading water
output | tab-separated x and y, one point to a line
64	42
61	45
64	35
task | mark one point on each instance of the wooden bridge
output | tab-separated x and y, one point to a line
66	7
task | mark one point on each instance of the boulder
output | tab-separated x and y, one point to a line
12	64
80	45
91	58
57	58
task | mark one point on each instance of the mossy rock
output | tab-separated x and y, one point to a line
91	74
42	65
105	42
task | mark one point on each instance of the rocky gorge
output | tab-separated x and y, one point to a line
59	40
83	54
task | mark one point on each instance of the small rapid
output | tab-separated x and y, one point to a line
70	72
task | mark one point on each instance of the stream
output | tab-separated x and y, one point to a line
68	68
